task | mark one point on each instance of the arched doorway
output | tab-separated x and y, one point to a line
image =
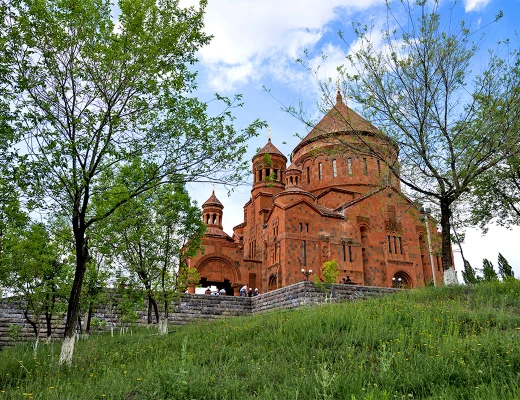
401	280
217	270
273	282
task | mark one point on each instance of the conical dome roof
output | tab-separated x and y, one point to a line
270	148
339	119
212	201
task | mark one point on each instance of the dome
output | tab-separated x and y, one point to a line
340	118
212	201
270	148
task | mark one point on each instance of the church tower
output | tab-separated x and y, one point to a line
212	213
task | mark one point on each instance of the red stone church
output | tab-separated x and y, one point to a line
335	201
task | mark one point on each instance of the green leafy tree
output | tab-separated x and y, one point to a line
330	271
93	93
488	271
36	271
504	268
468	274
497	195
449	125
149	236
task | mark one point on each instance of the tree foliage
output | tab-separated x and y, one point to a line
496	195
149	237
93	93
330	271
468	274
504	268
37	270
488	271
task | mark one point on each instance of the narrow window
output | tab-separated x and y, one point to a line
379	167
350	253
275	174
320	171
260	175
389	245
349	165
307	228
395	245
344	254
304	253
300	227
308	174
334	168
365	169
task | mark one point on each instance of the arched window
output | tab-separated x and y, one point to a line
334	169
320	171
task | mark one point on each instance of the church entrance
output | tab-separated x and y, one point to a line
401	280
226	284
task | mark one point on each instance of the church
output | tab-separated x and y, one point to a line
337	200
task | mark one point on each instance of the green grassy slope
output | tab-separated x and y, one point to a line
449	343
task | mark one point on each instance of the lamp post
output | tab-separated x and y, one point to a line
397	282
306	273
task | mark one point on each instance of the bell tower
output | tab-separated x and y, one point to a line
212	212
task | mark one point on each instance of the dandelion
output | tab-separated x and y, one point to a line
51	387
139	379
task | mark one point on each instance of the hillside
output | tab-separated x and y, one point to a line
449	343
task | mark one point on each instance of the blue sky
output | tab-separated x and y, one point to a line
255	45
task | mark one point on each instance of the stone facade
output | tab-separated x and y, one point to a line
337	200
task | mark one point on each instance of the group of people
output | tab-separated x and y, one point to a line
244	292
221	292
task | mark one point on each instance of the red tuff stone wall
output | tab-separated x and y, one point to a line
330	203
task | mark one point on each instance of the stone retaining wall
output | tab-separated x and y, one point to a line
198	307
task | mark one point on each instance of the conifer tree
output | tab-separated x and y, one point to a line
504	268
489	271
469	274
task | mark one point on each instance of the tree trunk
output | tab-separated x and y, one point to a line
153	303
82	256
149	319
48	319
31	322
89	318
162	326
447	260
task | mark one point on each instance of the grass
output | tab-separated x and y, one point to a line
444	343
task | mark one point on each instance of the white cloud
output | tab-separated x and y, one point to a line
475	5
251	36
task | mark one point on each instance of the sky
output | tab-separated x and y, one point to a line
254	51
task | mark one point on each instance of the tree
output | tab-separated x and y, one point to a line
497	195
149	236
330	271
449	125
488	271
468	274
504	268
92	94
35	269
